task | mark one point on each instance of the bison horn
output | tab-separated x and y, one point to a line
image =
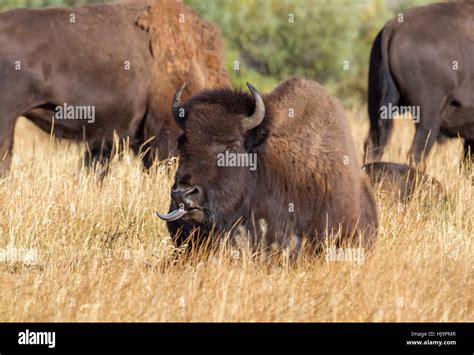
175	107
253	121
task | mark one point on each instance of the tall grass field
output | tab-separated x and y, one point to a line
73	248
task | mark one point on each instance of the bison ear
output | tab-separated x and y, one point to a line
177	111
250	122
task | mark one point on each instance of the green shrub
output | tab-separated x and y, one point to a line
325	40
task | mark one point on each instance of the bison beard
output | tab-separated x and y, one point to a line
307	182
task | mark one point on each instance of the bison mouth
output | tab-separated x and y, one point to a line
189	215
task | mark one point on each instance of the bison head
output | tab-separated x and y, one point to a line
223	130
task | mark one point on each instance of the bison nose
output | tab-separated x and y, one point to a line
190	197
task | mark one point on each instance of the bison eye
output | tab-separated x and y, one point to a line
232	146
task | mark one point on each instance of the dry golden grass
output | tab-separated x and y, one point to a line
104	256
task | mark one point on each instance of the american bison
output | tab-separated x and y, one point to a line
424	59
286	158
98	69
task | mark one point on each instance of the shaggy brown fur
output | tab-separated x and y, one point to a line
308	181
178	37
185	48
83	64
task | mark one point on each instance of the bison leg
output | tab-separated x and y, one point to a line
18	96
427	130
97	157
160	140
162	147
6	146
421	146
369	218
469	151
469	155
7	127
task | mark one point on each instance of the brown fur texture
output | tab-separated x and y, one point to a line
185	48
178	35
308	181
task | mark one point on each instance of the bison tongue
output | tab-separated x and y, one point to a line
172	216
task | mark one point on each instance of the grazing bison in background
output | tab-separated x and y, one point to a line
305	179
119	62
425	59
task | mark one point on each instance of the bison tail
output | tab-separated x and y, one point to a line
382	92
